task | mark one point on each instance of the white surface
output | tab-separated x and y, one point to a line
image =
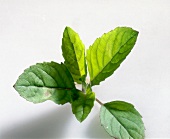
31	32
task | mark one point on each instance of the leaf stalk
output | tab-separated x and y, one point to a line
99	101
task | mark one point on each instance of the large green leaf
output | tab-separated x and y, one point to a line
74	54
46	81
121	120
83	105
107	53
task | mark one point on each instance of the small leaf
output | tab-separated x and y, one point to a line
46	81
121	120
83	105
108	52
74	54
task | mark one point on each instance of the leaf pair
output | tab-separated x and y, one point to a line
55	82
103	57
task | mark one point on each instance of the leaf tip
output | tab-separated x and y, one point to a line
81	120
67	28
14	86
137	32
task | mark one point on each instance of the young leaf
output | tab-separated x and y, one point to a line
83	105
107	52
121	120
46	81
74	54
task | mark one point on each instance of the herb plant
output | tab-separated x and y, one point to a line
56	82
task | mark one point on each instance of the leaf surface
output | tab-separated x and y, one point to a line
121	120
74	54
83	105
107	52
46	81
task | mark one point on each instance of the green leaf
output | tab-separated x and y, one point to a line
107	52
121	120
74	54
83	105
46	81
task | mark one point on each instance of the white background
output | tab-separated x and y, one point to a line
31	32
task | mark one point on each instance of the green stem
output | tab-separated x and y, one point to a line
84	85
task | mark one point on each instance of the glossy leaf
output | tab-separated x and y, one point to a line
46	81
107	52
74	54
121	120
83	105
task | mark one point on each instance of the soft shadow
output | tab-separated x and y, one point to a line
95	130
48	126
